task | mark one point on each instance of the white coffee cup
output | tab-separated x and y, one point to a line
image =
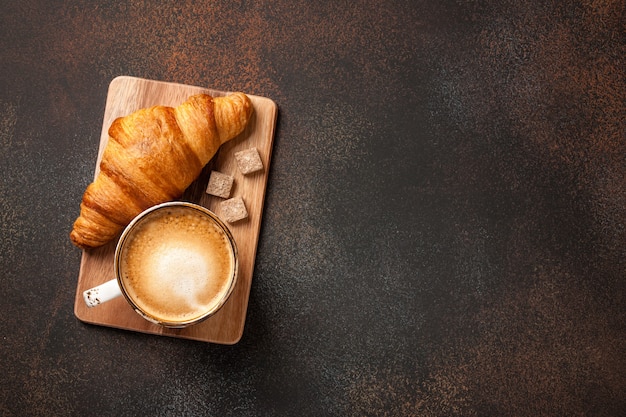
176	264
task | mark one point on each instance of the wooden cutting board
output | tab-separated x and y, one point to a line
127	94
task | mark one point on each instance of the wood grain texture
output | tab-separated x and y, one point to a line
127	94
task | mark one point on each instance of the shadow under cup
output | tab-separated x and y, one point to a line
176	264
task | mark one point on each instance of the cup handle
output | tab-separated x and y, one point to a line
102	293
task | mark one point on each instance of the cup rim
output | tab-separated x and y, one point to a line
225	296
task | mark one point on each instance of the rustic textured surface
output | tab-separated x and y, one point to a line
444	229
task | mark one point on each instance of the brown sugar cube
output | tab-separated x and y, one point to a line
220	184
249	161
234	209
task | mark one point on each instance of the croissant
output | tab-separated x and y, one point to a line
151	157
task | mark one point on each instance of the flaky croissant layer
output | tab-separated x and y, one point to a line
151	157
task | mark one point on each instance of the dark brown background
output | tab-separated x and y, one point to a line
444	230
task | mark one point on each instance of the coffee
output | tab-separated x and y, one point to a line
177	264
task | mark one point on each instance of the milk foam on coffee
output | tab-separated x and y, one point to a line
177	266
